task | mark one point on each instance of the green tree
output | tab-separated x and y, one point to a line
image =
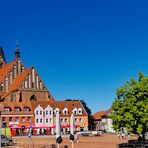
130	108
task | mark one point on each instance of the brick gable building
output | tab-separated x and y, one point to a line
26	100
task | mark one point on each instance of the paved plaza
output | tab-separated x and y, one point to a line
103	141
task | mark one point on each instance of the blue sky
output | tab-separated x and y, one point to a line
81	49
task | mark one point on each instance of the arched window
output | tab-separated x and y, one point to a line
33	98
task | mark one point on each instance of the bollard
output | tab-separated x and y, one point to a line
65	146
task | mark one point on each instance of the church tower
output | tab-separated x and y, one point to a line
2	58
17	54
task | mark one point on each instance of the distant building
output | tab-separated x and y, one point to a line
26	100
103	122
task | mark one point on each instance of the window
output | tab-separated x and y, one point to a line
50	112
61	120
75	112
29	119
80	119
40	112
65	112
46	120
76	120
37	120
3	118
50	120
80	111
66	120
40	120
46	112
23	119
17	109
10	119
17	119
26	109
37	112
6	109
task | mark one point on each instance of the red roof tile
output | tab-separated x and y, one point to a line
5	70
17	83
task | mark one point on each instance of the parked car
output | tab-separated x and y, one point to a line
6	141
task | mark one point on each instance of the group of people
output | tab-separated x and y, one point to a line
123	135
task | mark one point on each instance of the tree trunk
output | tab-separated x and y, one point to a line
143	135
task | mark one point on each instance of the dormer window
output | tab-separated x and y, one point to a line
26	109
80	111
75	111
65	111
17	109
7	109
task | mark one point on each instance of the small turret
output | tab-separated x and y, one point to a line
17	52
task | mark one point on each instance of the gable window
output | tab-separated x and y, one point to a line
46	112
50	112
37	112
40	112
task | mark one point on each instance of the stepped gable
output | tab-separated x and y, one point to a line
5	70
17	83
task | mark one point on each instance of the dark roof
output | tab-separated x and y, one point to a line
2	54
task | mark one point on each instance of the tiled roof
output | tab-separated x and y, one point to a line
17	83
12	105
5	70
59	104
99	115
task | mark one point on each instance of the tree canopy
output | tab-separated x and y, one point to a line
130	108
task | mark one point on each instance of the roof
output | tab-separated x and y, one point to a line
59	104
12	106
100	114
5	70
17	83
